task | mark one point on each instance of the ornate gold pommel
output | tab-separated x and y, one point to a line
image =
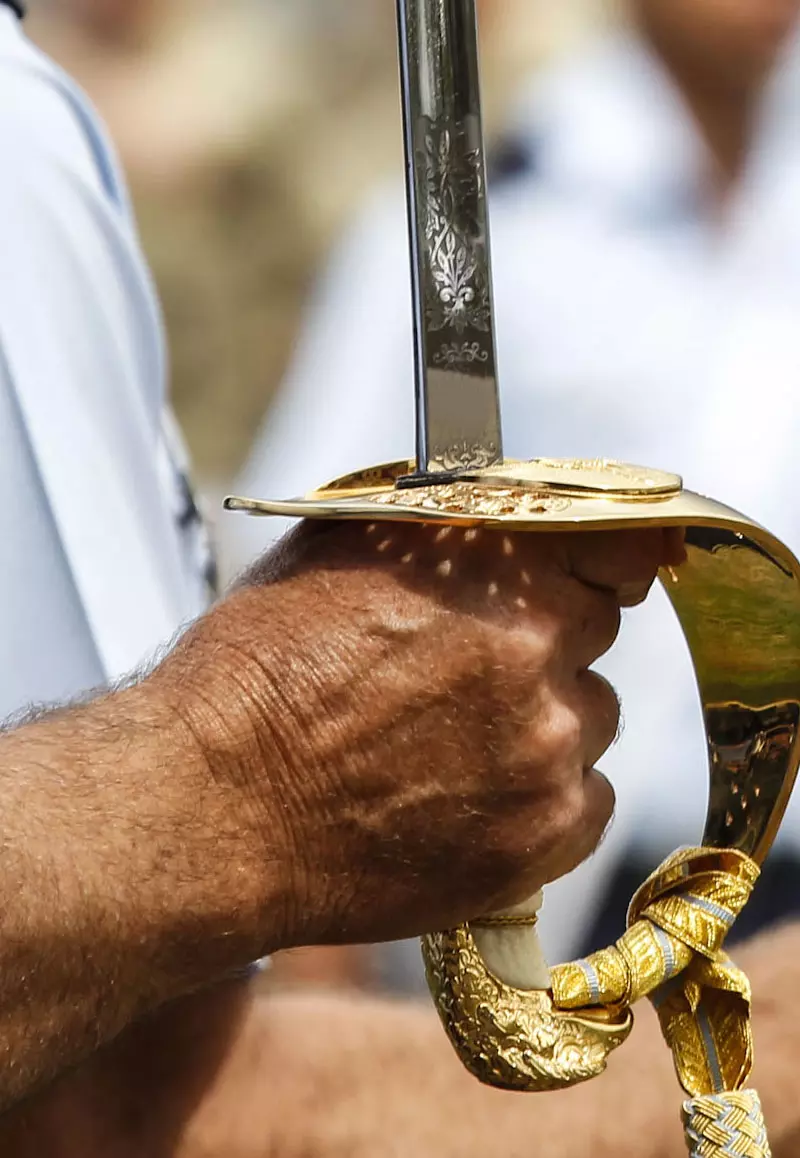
737	598
511	1038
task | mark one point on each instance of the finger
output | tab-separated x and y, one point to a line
569	732
599	804
625	562
591	625
599	706
579	838
674	546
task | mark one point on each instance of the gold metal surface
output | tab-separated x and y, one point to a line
508	1038
737	598
507	921
672	952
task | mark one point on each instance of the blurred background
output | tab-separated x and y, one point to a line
645	159
251	132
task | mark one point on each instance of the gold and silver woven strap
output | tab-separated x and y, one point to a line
727	1125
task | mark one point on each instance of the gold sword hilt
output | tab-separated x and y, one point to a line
737	599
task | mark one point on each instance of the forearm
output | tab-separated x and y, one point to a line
121	887
139	1096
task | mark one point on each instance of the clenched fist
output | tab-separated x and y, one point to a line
381	731
400	723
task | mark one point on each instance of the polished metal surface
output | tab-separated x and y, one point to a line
458	413
738	602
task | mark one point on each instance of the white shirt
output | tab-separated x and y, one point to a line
102	557
631	324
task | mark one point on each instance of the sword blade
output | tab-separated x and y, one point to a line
457	402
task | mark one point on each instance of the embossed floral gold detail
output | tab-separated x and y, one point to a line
604	465
462	456
510	1038
464	498
672	951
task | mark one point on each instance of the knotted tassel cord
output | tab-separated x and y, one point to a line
672	952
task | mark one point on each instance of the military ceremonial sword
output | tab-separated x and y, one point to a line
514	1023
457	403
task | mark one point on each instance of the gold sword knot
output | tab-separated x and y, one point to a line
673	952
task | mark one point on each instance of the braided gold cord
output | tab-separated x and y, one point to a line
729	1125
673	952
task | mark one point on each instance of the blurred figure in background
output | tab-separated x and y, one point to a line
647	260
180	81
203	98
249	130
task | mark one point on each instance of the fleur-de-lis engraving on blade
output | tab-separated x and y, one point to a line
456	251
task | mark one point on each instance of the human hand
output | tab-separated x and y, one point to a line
400	722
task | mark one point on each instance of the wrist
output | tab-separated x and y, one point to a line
272	686
230	766
196	903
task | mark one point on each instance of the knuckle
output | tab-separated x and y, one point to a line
566	817
603	621
618	559
601	704
551	633
643	555
574	629
570	810
532	647
594	628
561	733
513	658
601	801
505	856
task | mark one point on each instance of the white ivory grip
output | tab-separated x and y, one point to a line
513	953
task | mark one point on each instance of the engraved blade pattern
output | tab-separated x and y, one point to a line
458	410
